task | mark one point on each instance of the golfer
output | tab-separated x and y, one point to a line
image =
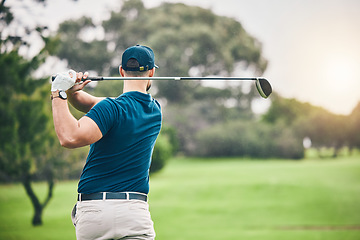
113	187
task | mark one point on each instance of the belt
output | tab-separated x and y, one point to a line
112	195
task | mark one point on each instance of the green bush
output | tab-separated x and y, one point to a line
172	137
162	152
249	139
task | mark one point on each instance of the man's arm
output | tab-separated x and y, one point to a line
81	100
73	133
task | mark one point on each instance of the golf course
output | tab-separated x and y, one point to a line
243	115
194	198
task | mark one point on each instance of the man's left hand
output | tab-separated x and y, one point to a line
64	81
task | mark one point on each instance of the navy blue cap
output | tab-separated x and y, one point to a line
144	55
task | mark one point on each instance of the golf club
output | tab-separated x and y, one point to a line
262	84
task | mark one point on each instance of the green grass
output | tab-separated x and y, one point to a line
220	199
16	213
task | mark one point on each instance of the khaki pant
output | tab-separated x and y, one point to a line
113	219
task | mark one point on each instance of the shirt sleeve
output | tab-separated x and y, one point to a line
104	115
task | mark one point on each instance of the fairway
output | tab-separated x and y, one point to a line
220	199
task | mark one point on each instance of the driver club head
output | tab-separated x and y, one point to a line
263	86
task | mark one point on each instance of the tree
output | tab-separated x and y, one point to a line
287	110
28	149
25	131
354	125
80	53
183	37
324	128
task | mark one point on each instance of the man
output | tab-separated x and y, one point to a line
121	132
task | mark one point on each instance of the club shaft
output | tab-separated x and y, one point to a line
179	78
172	78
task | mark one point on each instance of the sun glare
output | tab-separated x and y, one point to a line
341	71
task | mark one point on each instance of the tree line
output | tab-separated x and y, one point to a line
323	128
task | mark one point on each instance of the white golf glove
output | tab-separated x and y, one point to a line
64	81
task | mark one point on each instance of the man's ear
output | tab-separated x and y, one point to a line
121	71
151	72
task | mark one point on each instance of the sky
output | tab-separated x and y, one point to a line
313	46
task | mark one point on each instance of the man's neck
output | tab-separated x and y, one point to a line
134	85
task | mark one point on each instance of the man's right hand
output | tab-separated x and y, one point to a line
79	82
81	100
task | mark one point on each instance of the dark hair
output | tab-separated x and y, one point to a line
133	63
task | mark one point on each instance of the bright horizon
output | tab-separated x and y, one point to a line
312	46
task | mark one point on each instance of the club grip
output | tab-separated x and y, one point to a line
89	78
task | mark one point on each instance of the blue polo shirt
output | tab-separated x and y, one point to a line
120	160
